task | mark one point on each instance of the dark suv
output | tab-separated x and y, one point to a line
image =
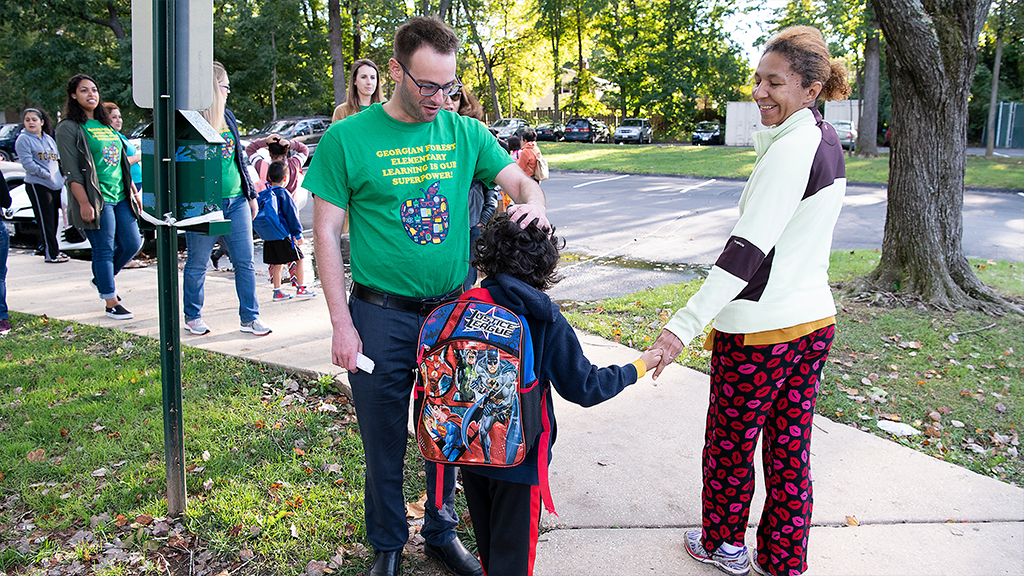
708	133
8	135
305	129
586	130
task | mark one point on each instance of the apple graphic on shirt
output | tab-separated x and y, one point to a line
426	219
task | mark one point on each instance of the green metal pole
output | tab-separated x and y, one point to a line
167	252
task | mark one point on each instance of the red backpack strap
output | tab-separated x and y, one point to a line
481	294
543	455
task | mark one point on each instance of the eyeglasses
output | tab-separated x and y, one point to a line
226	87
431	89
456	96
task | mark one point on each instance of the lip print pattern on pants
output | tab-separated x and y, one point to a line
771	388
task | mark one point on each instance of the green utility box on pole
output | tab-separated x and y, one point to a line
198	170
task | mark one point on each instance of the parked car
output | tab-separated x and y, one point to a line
552	131
505	127
708	133
8	135
847	134
20	219
586	130
637	130
305	129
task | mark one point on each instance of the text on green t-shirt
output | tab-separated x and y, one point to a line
406	188
105	146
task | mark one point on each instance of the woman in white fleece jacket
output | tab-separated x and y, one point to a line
774	316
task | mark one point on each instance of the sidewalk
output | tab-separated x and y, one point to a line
626	474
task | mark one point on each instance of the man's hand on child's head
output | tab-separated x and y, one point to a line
526	214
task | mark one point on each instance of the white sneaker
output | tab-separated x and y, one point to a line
197	326
256	327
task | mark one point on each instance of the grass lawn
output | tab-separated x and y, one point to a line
274	463
730	162
956	378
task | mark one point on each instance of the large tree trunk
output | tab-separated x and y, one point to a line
931	56
335	45
483	58
867	135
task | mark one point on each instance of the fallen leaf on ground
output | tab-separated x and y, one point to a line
144	519
100	473
416	510
36	456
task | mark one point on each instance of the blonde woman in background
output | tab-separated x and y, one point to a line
239	206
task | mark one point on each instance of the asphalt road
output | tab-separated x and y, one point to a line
628	227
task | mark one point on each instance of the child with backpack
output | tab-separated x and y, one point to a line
278	225
494	406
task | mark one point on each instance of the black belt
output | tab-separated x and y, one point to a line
421	306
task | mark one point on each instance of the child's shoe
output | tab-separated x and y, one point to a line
280	296
736	563
304	292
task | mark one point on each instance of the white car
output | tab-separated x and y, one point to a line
20	219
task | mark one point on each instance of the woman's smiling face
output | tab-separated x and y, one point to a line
87	95
778	90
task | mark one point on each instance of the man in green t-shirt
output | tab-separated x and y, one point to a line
401	171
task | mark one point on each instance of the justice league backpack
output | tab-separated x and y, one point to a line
477	399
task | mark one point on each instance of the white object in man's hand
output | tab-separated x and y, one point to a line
364	363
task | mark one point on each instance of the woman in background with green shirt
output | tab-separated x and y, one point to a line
239	206
103	202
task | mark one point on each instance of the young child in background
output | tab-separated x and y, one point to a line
278	225
520	264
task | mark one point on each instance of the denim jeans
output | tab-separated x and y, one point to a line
5	245
200	246
114	244
382	407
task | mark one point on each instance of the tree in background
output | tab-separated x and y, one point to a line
552	24
690	60
932	54
44	43
1000	74
277	55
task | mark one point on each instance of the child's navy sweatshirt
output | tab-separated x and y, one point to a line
559	362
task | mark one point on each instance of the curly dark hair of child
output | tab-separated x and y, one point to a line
530	254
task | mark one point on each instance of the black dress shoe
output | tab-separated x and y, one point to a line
455	558
386	564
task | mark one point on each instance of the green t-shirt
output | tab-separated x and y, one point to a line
106	146
406	189
231	183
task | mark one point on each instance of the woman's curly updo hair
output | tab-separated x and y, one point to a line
528	254
805	49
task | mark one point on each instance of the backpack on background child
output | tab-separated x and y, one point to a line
277	223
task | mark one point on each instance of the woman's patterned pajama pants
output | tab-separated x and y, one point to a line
771	388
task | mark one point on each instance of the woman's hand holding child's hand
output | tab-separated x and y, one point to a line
652	358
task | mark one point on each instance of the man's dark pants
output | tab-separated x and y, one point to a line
382	407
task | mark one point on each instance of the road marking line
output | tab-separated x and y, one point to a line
600	181
695	186
645	236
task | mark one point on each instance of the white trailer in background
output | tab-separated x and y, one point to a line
848	110
741	120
